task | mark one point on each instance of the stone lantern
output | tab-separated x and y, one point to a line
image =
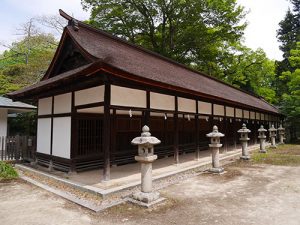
244	139
146	157
215	145
272	131
262	138
281	132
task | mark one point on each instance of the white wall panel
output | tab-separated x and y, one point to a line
266	116
44	135
186	105
219	110
262	116
252	115
229	111
238	113
3	123
161	101
45	106
128	97
257	115
62	103
98	109
246	114
61	146
90	95
204	107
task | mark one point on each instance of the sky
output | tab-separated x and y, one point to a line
263	19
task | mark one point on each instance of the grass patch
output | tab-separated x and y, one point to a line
284	155
7	172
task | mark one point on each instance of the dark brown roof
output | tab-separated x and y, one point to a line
143	63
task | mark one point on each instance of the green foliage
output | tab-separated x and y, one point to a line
23	124
26	61
189	31
291	99
7	172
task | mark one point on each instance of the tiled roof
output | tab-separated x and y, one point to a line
143	63
8	103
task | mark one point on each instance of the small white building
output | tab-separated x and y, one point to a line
7	106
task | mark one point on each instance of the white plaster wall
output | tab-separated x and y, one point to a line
44	135
229	111
45	106
187	105
98	109
219	110
161	101
90	95
128	97
238	113
3	122
204	107
246	114
62	103
257	116
266	117
126	112
61	146
156	114
252	115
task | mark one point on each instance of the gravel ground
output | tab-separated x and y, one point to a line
251	194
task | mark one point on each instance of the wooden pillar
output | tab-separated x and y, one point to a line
106	133
197	132
74	132
114	137
234	129
176	133
147	112
226	129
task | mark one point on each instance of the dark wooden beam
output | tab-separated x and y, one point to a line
197	132
176	133
74	131
106	133
51	134
147	112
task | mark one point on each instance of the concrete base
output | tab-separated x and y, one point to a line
262	151
146	205
146	197
216	170
245	157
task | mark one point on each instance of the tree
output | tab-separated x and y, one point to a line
251	71
26	60
291	99
189	31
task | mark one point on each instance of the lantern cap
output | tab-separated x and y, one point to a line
145	138
215	133
244	129
280	128
272	128
262	129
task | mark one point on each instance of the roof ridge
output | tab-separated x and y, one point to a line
138	47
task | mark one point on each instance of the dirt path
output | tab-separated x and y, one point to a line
259	194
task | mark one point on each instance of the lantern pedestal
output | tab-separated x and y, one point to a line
281	132
244	140
215	146
146	197
262	139
272	131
